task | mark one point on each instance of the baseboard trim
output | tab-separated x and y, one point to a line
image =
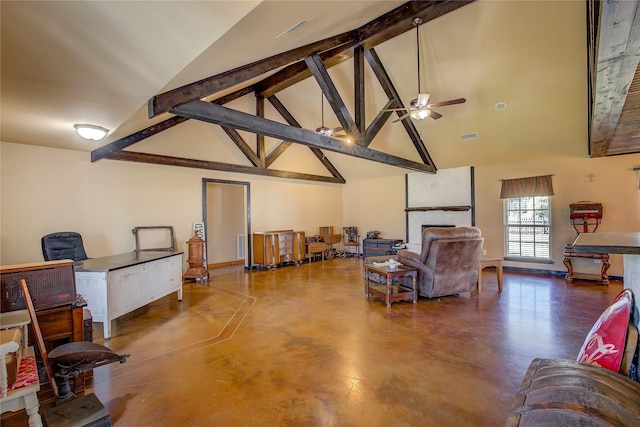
550	272
225	264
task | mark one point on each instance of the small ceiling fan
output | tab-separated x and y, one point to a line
323	130
420	108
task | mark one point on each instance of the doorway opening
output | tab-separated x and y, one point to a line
226	212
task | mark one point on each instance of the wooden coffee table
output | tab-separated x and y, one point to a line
391	292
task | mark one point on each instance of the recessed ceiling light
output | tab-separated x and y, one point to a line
295	28
91	132
501	106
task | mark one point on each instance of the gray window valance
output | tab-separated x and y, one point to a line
527	187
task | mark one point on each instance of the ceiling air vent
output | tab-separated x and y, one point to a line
469	136
295	28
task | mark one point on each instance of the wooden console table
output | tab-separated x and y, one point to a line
118	284
604	260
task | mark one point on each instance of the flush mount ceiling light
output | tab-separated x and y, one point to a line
91	132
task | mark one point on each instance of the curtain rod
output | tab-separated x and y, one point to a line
526	177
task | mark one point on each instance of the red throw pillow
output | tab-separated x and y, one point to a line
604	345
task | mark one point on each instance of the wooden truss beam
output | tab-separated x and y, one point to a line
371	34
133	156
297	65
219	115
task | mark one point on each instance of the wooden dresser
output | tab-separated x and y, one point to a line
272	248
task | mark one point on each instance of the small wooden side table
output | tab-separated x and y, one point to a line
490	262
391	292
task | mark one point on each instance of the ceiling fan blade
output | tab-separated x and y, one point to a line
400	118
445	103
434	115
334	130
395	109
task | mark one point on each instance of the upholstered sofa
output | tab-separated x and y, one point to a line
448	260
600	388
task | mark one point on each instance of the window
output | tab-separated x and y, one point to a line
527	228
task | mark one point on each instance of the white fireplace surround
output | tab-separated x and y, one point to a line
448	187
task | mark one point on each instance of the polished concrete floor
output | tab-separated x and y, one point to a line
302	346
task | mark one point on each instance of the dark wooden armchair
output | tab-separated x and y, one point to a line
448	261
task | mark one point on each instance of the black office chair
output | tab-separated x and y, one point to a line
63	245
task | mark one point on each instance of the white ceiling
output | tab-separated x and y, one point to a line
99	62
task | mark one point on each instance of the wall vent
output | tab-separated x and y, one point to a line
240	246
295	28
469	136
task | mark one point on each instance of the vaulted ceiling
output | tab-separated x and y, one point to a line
142	68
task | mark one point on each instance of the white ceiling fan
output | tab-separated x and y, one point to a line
420	108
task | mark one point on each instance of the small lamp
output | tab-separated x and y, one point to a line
91	132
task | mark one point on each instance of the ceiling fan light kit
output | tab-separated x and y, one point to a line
420	114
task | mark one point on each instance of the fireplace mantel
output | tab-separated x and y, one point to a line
438	208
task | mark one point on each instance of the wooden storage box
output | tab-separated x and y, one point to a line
331	239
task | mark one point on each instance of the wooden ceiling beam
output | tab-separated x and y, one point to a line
242	145
260	145
371	34
157	159
332	95
358	90
298	71
324	54
219	115
286	114
163	102
616	64
106	151
400	20
378	69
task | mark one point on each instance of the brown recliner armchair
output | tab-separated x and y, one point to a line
448	261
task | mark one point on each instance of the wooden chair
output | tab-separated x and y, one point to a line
71	411
23	393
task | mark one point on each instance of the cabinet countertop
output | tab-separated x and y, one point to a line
115	262
608	243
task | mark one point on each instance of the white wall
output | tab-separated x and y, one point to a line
448	187
378	204
608	180
45	190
